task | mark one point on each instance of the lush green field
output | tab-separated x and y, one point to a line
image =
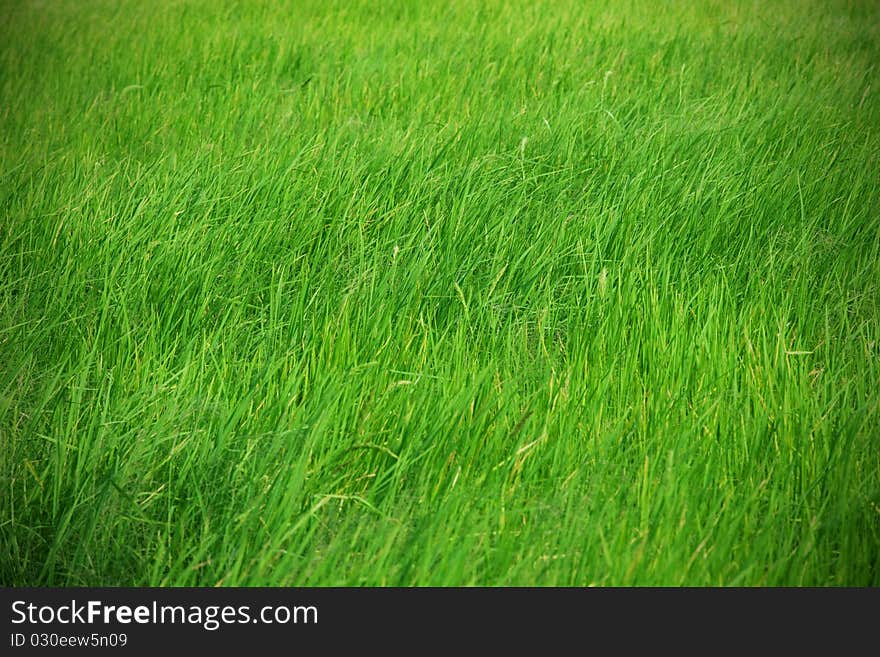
522	293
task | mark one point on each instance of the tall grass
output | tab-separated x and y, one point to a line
496	293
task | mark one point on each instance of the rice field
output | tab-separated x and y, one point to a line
329	292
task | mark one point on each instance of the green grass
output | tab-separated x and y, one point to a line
447	293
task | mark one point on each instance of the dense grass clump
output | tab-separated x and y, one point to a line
440	293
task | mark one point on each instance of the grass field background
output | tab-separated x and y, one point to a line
423	293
